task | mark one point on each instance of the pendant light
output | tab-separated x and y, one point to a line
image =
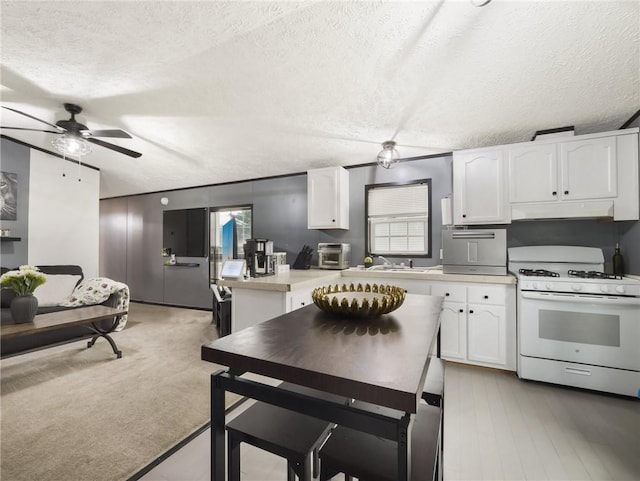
388	156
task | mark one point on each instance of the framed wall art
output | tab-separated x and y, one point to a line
8	196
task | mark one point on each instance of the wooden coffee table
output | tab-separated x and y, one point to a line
82	316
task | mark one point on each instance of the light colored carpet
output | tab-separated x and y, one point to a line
75	414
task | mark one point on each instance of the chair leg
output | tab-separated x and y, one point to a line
233	459
442	443
291	474
315	462
305	469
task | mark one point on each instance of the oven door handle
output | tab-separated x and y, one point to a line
582	298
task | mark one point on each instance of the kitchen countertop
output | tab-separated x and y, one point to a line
431	274
286	281
299	279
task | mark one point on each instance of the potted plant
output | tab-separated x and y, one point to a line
23	282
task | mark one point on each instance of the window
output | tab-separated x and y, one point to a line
398	220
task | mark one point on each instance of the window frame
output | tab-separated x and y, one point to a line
367	223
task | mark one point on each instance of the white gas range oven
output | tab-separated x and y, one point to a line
577	326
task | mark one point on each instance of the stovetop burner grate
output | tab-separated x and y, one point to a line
538	273
592	275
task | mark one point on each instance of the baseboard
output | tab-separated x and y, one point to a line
484	368
137	301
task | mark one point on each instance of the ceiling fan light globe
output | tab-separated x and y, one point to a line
71	145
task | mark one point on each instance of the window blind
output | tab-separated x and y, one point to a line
399	201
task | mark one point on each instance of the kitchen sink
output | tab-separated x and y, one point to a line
395	268
414	269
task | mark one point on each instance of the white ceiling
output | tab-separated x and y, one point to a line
218	91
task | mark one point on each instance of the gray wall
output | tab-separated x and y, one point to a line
587	233
15	158
131	228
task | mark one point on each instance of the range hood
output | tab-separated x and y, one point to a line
563	210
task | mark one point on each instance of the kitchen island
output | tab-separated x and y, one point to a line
257	299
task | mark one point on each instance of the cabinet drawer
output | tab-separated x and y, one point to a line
487	295
451	293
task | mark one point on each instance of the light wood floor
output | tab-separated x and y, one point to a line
497	427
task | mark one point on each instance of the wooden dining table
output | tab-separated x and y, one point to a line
383	361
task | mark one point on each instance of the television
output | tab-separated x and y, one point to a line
184	232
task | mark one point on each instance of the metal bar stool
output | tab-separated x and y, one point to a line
370	458
288	434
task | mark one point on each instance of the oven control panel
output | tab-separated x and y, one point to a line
590	286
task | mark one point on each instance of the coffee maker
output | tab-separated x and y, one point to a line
259	256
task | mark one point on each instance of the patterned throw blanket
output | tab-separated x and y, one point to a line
97	290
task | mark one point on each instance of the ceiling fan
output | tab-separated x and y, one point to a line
76	135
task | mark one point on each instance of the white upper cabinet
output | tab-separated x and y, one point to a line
328	198
588	169
589	176
577	170
479	195
533	173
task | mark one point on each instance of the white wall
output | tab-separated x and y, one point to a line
63	213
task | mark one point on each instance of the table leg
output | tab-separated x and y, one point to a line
104	333
217	429
404	448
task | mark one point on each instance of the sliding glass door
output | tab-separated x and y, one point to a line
230	228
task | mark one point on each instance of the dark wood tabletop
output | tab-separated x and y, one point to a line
383	360
54	320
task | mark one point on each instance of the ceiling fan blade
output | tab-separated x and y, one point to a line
33	130
107	133
34	118
117	148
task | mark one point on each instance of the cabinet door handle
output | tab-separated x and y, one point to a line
566	192
446	294
486	297
554	193
464	215
471	311
333	220
461	310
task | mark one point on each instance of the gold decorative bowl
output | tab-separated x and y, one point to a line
368	300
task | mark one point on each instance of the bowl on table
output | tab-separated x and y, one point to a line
358	300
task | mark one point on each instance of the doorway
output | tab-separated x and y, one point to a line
230	229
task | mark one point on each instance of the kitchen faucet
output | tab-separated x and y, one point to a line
385	261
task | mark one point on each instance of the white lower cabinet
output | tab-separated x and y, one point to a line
478	324
298	298
486	334
453	331
252	306
478	320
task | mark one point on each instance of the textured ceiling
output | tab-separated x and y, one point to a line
216	91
